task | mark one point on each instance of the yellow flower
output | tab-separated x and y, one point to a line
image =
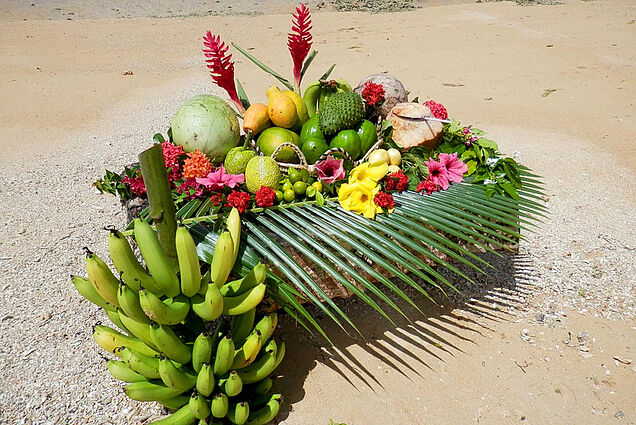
358	197
368	174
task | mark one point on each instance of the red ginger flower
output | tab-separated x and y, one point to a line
299	40
384	200
427	185
238	200
373	93
265	197
196	165
221	67
397	181
437	110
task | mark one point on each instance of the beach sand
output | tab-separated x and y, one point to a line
555	83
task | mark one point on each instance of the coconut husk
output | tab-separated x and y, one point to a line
411	128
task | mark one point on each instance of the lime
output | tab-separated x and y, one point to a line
310	192
261	171
300	187
294	175
279	196
305	174
287	186
289	195
317	186
349	141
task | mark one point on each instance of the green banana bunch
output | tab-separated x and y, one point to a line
241	326
169	344
121	371
310	97
232	385
222	259
248	352
246	301
175	402
160	267
129	303
201	351
169	312
253	278
264	387
205	380
183	416
144	365
219	406
263	367
140	330
130	270
86	289
177	378
111	340
238	413
267	413
210	306
224	356
114	317
103	280
189	269
199	406
266	326
150	391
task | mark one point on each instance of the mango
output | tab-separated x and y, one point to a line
256	119
272	137
281	109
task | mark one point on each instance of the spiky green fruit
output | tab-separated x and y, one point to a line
342	111
237	159
261	171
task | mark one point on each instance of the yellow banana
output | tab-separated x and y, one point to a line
301	109
234	227
248	352
129	303
131	272
222	259
86	289
160	267
266	326
210	306
169	344
111	340
189	268
102	279
166	312
244	302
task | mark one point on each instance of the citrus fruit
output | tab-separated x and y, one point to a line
300	187
279	196
272	137
289	195
294	175
237	158
317	186
349	141
261	171
305	175
287	185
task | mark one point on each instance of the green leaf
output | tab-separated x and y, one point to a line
487	143
320	199
308	62
327	72
158	138
264	67
242	95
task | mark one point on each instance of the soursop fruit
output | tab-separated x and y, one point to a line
342	111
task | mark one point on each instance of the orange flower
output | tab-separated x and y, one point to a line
196	165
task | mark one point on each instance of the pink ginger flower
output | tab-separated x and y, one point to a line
218	179
455	168
330	170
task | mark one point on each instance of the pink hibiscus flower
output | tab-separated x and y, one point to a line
455	169
330	170
437	173
218	179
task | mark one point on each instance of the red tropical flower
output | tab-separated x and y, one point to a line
265	197
427	185
437	110
136	183
373	93
299	40
384	200
238	200
396	181
221	67
216	198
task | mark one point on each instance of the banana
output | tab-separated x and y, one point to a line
310	97
111	340
144	365
121	371
264	387
201	350
86	289
129	303
199	406
266	326
160	267
219	405
239	413
102	279
244	302
205	280
248	352
224	356
343	86
114	317
210	306
169	344
267	413
169	312
205	380
242	326
263	367
232	385
189	268
183	416
138	329
234	227
175	402
222	259
131	272
150	391
255	277
177	378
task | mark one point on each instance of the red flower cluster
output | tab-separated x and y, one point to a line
171	154
137	185
384	200
216	198
427	185
437	110
191	188
396	181
373	93
265	197
238	200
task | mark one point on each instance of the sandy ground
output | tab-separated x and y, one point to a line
549	340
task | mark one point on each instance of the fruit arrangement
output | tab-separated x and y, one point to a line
188	338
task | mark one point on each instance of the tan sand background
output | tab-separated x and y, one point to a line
555	83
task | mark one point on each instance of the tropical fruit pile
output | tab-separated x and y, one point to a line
188	338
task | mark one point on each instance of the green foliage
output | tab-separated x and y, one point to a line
112	183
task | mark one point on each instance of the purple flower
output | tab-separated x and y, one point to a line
218	179
330	170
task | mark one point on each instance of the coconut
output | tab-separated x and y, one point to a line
410	127
394	91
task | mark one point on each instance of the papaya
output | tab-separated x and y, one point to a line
256	119
281	109
349	141
301	109
311	130
368	135
272	137
313	148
